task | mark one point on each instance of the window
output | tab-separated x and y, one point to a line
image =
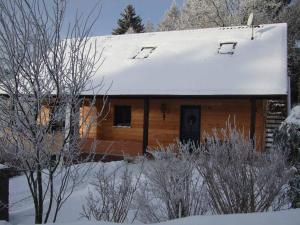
144	53
122	116
227	48
57	117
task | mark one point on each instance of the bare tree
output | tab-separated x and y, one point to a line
240	179
171	20
290	15
149	27
112	194
44	69
214	13
172	186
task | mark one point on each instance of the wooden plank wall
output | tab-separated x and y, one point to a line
125	140
88	120
43	118
214	114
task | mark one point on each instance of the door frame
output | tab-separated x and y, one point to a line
182	107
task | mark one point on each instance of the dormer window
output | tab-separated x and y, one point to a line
227	48
144	52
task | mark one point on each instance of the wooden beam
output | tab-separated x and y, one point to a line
146	124
253	118
190	96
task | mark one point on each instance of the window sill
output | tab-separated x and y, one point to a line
121	126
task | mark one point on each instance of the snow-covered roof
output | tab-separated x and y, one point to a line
190	62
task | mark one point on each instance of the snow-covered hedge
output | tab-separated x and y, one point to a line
172	187
239	178
287	138
288	135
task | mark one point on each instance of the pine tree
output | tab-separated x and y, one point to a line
171	20
129	19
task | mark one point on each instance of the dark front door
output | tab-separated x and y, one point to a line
190	124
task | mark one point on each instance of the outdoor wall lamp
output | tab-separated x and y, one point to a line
163	110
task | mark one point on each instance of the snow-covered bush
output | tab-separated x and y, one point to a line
172	187
111	195
240	179
287	137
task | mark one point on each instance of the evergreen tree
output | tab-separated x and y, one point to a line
129	19
171	20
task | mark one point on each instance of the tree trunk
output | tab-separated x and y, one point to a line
51	198
39	216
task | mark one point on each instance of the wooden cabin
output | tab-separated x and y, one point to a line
180	84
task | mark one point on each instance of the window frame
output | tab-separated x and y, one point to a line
151	48
117	120
58	125
233	43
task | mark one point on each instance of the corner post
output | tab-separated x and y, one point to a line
146	124
252	118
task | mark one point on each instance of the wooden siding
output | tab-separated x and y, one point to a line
123	140
88	120
260	124
43	118
162	130
214	114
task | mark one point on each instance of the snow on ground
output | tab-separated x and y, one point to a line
22	211
288	217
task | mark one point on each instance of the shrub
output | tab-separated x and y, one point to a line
172	188
111	196
240	179
287	137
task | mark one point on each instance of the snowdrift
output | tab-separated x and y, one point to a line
287	217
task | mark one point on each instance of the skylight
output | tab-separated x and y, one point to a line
144	53
227	48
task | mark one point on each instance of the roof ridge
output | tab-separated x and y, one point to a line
125	36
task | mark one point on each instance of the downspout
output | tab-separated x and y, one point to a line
289	98
289	101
